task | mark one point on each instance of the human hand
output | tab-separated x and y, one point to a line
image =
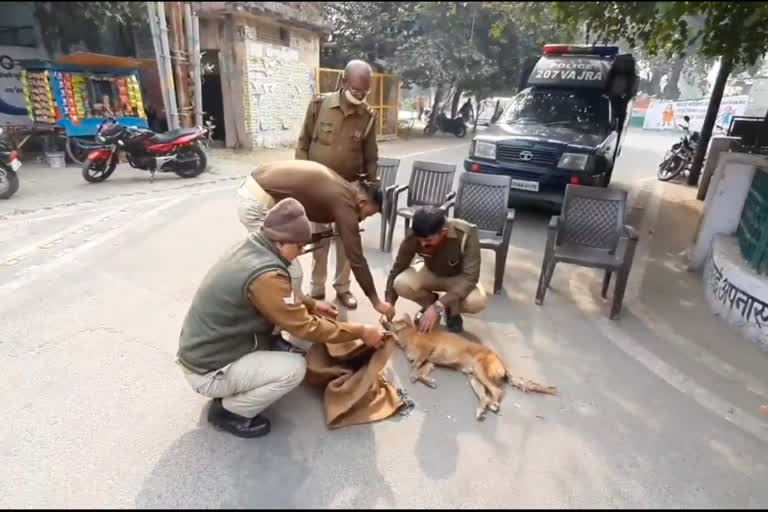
326	309
429	318
373	337
385	308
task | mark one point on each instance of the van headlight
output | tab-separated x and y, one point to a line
573	161
485	150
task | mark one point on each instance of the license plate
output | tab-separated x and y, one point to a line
15	164
530	186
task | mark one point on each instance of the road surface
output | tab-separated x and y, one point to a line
93	293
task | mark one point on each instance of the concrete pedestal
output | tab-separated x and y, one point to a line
725	201
736	292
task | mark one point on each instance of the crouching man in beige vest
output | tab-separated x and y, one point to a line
240	301
450	249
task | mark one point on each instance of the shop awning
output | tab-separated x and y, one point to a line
100	60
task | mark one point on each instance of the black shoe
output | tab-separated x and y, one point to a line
235	424
455	323
280	344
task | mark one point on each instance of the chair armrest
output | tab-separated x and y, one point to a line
554	222
508	225
630	233
446	206
450	195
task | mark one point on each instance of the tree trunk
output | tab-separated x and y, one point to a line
671	89
709	120
654	89
455	101
438	99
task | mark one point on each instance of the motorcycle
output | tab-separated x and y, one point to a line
442	123
9	166
679	157
178	151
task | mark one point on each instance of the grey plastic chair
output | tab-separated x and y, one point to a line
590	232
430	185
387	174
482	200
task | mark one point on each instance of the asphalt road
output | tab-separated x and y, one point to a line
96	414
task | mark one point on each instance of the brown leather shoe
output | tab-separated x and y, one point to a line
347	300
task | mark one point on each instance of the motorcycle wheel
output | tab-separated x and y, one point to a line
429	129
201	161
461	131
670	168
9	183
96	172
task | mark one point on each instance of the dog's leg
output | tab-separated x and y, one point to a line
479	390
496	393
418	362
423	375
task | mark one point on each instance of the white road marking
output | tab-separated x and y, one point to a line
32	273
442	148
682	382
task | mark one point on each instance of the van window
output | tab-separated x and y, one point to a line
577	109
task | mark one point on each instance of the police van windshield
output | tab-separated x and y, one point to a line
577	109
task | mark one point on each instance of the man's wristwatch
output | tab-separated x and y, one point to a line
439	307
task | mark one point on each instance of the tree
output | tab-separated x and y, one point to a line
468	47
65	24
734	32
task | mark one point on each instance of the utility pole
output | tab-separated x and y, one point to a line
179	60
192	29
165	57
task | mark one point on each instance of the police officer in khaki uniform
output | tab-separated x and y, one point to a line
339	132
450	249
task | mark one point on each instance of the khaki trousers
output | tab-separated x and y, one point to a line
418	284
252	383
320	265
253	204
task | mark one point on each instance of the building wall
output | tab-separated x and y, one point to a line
280	83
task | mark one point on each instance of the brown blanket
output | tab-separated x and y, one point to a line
352	376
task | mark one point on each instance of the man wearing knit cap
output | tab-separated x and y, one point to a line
242	298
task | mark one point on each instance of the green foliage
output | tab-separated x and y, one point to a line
736	31
477	47
68	23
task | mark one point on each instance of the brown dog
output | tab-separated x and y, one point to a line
482	365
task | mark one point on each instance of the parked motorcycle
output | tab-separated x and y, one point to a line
445	124
679	157
9	166
178	151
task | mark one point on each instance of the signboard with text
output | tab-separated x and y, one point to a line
666	114
570	71
13	108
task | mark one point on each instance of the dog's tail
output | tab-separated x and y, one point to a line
528	385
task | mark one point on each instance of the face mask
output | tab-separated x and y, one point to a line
351	98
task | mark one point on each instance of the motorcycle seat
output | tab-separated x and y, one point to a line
172	135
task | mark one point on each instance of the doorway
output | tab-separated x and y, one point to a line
213	102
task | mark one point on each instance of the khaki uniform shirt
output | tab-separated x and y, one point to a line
272	295
341	136
327	199
459	254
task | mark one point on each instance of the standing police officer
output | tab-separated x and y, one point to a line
339	133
